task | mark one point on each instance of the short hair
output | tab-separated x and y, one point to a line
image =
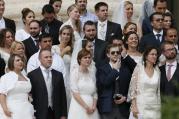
146	53
51	2
42	50
90	23
25	12
44	35
153	14
100	4
172	28
109	46
166	43
3	36
114	37
48	9
77	1
11	61
126	36
127	25
156	1
36	21
82	53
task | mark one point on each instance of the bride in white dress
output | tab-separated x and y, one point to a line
14	89
83	87
144	90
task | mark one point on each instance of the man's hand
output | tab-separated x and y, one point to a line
120	101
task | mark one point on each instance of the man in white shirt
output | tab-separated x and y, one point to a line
45	42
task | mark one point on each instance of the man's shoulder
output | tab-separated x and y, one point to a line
8	20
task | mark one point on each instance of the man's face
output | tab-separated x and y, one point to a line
2	7
102	13
172	36
49	17
161	7
46	43
46	58
82	4
157	22
34	29
90	32
169	52
114	54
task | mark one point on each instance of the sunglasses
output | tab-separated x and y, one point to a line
115	52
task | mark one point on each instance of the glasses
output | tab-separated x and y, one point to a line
115	52
158	20
171	49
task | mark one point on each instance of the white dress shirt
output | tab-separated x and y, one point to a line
2	23
102	29
173	68
161	33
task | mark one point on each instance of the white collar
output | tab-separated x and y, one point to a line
104	22
155	33
173	63
44	69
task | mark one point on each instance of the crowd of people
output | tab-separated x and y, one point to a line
88	67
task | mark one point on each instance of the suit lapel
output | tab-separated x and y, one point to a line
175	73
108	30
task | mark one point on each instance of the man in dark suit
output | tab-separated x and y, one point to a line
156	37
169	84
48	90
5	22
113	80
105	28
31	44
159	6
50	24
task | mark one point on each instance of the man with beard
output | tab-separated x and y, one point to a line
169	85
85	15
31	44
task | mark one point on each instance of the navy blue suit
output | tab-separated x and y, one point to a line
146	26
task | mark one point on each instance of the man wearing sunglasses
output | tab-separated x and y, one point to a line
113	80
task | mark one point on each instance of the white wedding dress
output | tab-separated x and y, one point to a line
85	85
146	90
17	102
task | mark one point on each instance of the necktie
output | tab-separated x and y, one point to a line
158	37
169	72
102	31
48	74
37	43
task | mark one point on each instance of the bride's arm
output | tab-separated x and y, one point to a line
4	105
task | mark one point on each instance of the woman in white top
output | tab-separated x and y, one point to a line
14	90
27	16
7	37
131	42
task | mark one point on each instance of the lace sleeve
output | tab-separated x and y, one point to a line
74	80
133	90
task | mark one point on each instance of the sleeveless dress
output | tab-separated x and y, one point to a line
17	101
146	90
85	84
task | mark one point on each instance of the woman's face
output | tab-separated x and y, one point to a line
131	27
65	36
57	6
18	64
132	41
74	14
19	49
89	47
152	57
30	16
167	22
129	10
9	39
86	60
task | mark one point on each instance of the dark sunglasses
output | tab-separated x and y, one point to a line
113	52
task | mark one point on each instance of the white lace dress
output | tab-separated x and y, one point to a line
85	85
146	90
16	97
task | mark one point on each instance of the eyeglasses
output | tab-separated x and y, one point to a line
158	20
115	52
171	49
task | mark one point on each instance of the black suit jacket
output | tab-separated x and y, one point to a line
54	27
146	26
169	88
2	66
40	96
149	40
113	30
106	77
30	47
10	24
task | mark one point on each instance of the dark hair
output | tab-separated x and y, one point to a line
84	43
48	9
77	1
44	35
153	14
100	4
11	61
51	2
82	53
114	37
146	53
126	37
156	1
166	43
42	50
167	14
3	36
127	25
109	46
90	23
25	12
36	21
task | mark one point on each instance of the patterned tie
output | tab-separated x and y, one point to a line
102	31
158	37
169	72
